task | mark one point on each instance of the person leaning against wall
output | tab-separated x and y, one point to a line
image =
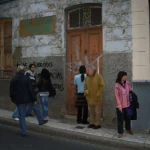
93	90
122	89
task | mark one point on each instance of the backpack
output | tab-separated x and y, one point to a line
52	91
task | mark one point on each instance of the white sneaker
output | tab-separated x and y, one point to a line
46	118
16	119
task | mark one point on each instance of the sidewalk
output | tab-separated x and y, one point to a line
81	132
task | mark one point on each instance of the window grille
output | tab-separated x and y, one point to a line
86	16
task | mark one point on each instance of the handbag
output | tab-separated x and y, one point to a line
129	111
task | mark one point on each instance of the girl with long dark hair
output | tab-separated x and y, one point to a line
122	90
44	86
81	103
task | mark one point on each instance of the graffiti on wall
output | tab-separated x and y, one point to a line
74	66
4	75
37	64
56	75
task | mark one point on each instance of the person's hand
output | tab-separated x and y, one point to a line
120	109
86	92
35	102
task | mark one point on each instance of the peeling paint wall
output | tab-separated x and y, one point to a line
117	41
117	26
117	44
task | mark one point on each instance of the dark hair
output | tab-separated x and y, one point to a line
82	71
119	76
30	66
45	74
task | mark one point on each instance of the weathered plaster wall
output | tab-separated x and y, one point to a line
117	26
117	41
55	64
117	47
42	48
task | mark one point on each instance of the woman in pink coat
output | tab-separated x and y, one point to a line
122	89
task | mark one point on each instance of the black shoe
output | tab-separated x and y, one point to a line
91	126
29	115
97	127
44	121
79	122
23	135
85	122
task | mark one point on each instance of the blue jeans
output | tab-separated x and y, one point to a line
29	109
44	104
15	113
22	115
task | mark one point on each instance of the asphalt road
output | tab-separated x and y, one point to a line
11	140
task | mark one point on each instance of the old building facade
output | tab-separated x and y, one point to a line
62	35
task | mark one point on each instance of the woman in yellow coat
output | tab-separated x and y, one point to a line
93	90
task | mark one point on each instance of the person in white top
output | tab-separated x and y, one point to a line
81	103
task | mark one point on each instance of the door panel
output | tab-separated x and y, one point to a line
74	55
83	47
6	48
94	47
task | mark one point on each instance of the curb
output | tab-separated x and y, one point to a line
105	141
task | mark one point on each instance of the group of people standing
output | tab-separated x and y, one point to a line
90	87
89	90
24	90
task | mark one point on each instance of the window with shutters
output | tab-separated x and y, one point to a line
85	16
5	48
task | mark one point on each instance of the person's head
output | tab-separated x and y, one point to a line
121	77
82	71
90	70
20	69
45	74
32	67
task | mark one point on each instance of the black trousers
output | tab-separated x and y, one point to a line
121	117
82	113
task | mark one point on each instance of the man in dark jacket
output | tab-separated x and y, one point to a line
30	73
22	93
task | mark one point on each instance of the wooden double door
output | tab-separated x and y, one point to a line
83	47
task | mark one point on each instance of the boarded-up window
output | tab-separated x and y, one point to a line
85	16
5	48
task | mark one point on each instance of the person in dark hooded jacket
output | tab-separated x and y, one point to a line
22	93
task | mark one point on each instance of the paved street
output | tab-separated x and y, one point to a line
10	140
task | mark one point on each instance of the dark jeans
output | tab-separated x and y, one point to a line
29	109
82	113
22	113
122	116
